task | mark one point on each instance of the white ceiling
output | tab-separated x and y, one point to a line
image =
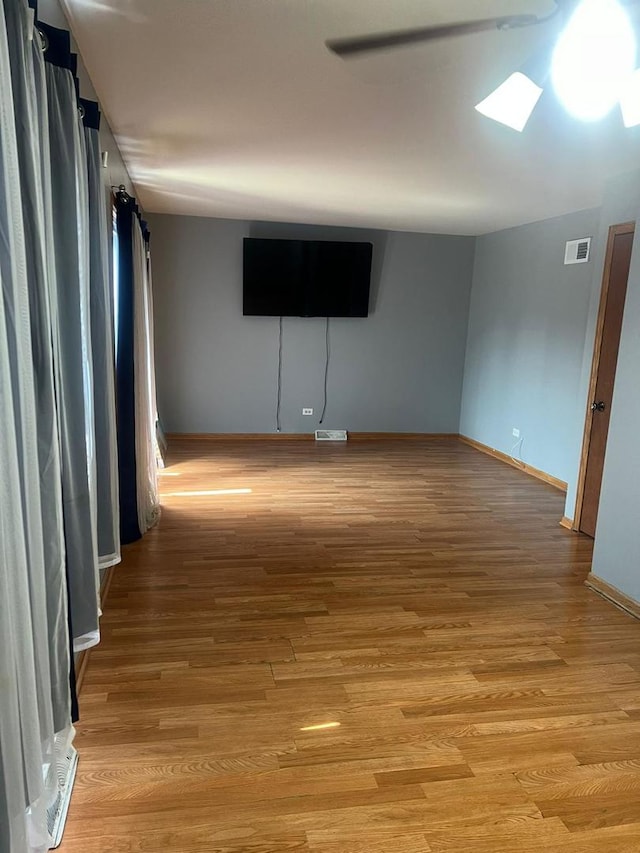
235	108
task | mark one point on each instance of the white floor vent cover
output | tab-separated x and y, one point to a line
57	813
331	435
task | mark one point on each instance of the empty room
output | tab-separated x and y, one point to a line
319	480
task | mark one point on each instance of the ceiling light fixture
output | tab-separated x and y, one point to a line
593	59
591	66
512	102
630	100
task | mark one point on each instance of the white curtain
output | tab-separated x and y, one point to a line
103	361
27	68
58	454
147	453
35	728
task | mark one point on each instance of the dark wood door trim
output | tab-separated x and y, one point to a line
614	231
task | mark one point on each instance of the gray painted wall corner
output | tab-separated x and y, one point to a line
616	557
620	204
526	340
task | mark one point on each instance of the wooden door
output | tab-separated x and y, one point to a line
614	291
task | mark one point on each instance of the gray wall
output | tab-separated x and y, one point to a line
399	370
616	556
526	339
620	204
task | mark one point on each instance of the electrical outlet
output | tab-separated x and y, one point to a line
516	433
307	411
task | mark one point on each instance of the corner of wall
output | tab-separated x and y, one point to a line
525	342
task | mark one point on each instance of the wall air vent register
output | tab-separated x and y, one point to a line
577	251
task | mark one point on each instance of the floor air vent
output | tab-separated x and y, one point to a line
57	813
331	435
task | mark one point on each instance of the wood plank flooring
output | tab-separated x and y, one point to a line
355	649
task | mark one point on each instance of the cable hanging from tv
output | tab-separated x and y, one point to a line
326	370
279	392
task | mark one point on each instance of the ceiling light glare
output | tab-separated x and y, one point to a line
512	102
593	58
630	100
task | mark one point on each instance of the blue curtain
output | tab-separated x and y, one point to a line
125	378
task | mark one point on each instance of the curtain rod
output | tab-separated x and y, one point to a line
121	193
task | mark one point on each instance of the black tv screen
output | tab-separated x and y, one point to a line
306	278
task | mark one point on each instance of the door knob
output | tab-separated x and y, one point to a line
598	407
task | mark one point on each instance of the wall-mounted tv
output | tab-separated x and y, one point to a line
306	278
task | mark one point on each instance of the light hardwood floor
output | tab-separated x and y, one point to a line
378	647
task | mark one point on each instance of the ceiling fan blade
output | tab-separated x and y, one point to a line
347	47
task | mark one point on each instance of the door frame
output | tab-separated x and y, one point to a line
614	231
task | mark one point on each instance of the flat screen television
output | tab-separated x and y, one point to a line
306	278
